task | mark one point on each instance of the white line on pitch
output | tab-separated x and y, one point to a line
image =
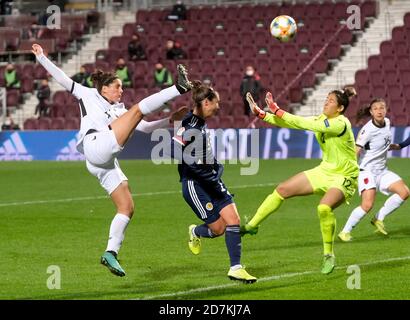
276	277
144	194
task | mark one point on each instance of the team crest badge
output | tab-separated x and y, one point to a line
209	206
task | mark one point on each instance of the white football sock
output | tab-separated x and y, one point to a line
391	204
155	101
117	232
356	215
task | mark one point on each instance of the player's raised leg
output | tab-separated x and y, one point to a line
297	185
125	125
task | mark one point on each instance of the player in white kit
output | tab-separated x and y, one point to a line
372	144
106	126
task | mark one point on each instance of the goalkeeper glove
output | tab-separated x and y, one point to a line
273	106
254	107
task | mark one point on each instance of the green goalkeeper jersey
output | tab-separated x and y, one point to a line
335	137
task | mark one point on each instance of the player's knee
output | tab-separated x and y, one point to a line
218	230
323	210
405	193
137	110
282	190
367	206
127	209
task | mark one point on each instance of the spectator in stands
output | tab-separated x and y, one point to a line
135	49
9	124
34	32
178	12
174	50
162	76
11	77
250	83
83	78
5	7
43	94
123	73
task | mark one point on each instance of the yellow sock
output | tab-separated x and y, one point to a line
269	206
327	226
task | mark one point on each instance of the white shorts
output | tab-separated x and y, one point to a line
110	178
381	182
101	148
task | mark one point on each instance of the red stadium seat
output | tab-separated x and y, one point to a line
226	121
57	123
72	124
44	123
30	124
12	98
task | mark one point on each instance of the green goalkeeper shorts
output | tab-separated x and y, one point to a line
322	181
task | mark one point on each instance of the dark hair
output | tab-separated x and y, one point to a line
343	96
201	92
365	111
101	78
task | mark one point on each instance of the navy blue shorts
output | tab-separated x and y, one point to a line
203	203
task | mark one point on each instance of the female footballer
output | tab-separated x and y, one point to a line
202	186
106	125
372	144
335	177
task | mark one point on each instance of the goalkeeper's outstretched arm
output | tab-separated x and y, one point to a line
288	120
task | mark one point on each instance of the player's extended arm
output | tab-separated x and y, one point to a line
330	126
51	68
405	143
267	117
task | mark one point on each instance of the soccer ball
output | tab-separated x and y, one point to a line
283	28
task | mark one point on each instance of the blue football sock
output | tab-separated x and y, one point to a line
203	231
233	244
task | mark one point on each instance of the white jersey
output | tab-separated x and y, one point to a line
96	112
375	142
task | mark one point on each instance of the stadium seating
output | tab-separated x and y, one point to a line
387	76
220	42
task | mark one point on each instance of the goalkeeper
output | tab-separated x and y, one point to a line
336	176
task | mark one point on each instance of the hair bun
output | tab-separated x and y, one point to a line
196	84
349	92
96	75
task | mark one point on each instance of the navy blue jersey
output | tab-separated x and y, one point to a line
198	163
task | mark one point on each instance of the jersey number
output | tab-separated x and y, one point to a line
347	183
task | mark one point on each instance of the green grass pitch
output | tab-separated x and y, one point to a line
55	213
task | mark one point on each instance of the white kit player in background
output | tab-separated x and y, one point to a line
106	126
373	142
